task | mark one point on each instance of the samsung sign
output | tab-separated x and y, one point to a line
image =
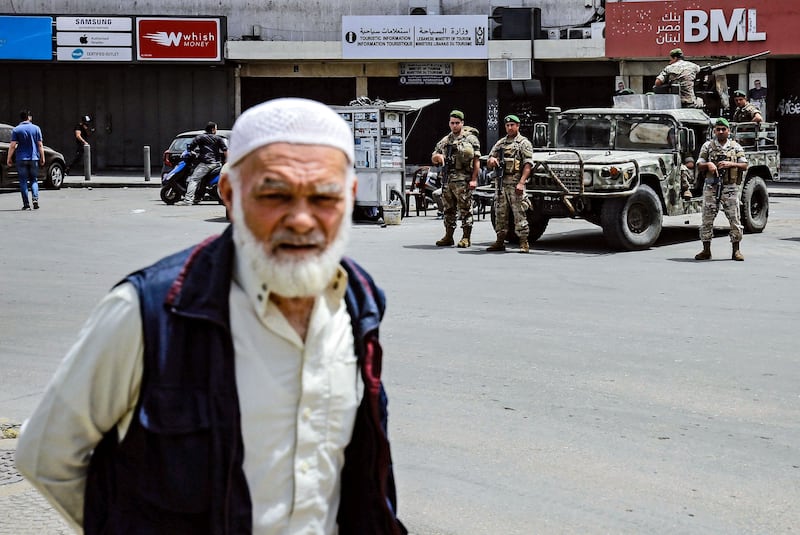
26	38
415	37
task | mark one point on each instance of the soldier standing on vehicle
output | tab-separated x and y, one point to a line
459	155
723	162
745	111
681	72
513	154
212	149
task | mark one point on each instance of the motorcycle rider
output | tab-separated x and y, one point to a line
212	149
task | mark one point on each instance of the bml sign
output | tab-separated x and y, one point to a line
742	25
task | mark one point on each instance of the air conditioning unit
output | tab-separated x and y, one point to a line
598	30
520	69
575	33
509	69
498	69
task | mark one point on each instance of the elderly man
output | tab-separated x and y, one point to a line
745	111
233	387
681	72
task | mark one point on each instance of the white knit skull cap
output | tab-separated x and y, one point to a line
289	120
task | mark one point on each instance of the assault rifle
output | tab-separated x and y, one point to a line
722	175
499	171
449	163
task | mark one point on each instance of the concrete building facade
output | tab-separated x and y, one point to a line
556	51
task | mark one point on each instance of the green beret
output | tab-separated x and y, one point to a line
739	93
458	114
722	122
676	53
511	119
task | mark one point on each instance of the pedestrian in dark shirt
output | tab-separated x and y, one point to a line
211	149
82	132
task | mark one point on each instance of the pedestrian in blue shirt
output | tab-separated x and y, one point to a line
26	142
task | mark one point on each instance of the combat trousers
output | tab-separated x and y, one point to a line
730	205
457	200
508	198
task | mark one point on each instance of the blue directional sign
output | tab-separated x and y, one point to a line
28	38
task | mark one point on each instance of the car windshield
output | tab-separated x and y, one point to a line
179	144
650	135
5	134
584	133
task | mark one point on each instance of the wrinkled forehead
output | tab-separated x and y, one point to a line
294	163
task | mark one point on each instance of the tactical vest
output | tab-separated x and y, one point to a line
731	153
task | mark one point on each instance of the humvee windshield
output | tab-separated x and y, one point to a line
651	134
583	133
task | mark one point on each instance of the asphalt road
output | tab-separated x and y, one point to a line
571	390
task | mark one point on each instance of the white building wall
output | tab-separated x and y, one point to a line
320	20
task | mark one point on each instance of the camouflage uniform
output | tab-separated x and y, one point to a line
515	153
712	151
683	72
687	177
456	195
745	113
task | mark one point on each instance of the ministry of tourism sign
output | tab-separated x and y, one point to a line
415	37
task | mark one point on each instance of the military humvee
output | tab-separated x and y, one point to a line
620	169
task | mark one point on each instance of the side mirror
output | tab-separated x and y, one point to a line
539	135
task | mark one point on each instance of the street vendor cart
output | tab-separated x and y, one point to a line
380	132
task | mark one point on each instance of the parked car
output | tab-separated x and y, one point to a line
172	156
52	174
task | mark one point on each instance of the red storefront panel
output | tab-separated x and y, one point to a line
701	28
173	39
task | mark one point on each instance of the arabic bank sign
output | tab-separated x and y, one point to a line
701	28
415	37
175	39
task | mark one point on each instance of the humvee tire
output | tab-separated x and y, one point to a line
632	223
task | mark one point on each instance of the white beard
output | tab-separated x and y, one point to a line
291	276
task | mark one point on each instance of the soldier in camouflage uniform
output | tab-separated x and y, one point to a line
514	154
459	152
745	111
683	73
723	162
687	177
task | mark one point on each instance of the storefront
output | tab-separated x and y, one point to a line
640	35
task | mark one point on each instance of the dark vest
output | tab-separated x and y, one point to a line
179	468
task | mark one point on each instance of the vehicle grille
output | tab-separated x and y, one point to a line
568	174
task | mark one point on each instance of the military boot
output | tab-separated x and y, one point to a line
447	239
500	244
523	245
705	254
465	236
737	254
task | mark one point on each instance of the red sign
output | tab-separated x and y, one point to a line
701	28
172	39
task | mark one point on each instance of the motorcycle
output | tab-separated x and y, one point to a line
174	183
